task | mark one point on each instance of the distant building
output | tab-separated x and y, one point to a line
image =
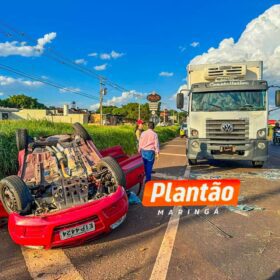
7	113
64	115
108	119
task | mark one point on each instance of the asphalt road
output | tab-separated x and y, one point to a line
228	245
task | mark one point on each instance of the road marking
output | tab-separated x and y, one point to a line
171	154
50	264
164	255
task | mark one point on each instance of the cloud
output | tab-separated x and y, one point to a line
194	44
81	61
182	49
116	55
94	54
101	67
173	97
120	100
105	56
6	81
20	48
259	41
2	93
166	74
112	55
67	89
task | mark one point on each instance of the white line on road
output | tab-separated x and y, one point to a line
50	264
164	255
171	154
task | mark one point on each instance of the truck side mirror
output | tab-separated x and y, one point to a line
180	100
277	98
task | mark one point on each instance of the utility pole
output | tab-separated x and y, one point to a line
103	92
138	97
139	111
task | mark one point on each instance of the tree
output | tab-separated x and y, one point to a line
106	109
23	102
119	111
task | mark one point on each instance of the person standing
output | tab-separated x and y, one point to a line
149	149
139	129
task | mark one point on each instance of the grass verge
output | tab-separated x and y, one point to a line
103	137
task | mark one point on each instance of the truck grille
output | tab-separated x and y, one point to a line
227	131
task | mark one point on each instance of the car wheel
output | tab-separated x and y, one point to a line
14	194
115	173
81	131
258	164
21	139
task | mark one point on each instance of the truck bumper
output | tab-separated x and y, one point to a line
254	150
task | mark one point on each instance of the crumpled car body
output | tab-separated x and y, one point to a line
76	192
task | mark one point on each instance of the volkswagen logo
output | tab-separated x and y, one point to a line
227	127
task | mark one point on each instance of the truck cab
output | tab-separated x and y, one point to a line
227	112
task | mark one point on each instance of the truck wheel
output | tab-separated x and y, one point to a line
81	131
115	174
21	139
258	164
192	161
14	194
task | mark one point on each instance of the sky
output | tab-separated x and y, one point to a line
143	46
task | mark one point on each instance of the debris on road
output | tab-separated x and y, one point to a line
244	207
133	199
271	174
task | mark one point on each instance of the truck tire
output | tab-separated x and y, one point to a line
114	168
257	164
192	162
81	131
14	194
22	139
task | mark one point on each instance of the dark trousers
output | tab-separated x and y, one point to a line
148	159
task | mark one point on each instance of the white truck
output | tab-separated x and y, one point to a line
227	112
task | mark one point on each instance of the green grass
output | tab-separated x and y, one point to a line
103	137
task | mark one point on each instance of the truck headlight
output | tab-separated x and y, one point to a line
261	133
194	133
195	144
261	145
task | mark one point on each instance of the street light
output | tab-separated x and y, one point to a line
138	96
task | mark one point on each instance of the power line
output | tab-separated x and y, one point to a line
56	85
62	59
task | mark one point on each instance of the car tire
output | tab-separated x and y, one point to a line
192	162
81	131
15	195
22	139
114	168
257	164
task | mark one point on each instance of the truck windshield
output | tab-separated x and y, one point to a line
229	101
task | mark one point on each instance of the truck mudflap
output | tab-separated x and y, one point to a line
253	150
72	226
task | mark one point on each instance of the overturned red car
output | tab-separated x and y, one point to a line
66	191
